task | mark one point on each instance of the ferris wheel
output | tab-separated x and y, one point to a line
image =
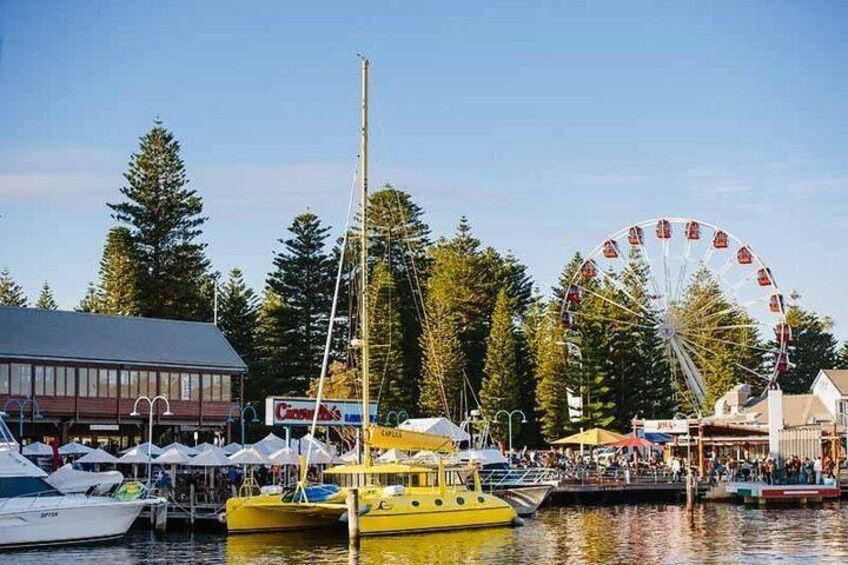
712	302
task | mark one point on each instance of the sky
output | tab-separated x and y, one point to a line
548	124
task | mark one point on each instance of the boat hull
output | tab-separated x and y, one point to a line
524	499
64	520
266	513
382	515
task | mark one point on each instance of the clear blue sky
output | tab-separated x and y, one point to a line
548	124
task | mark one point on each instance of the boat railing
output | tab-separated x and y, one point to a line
494	478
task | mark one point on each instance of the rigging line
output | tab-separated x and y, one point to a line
604	298
326	360
688	344
408	240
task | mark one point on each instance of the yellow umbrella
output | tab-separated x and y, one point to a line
595	436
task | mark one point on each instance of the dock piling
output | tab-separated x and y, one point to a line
353	515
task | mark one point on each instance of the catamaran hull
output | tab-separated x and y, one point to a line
43	522
252	514
524	499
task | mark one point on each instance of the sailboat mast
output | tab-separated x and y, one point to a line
363	267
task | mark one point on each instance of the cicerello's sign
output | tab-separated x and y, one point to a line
282	411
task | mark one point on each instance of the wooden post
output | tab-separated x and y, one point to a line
353	514
700	451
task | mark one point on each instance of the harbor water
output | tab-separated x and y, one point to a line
710	533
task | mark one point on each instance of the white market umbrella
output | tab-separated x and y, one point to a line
211	458
308	439
351	457
184	449
38	449
134	457
426	456
232	448
205	446
74	448
270	443
319	457
154	449
248	456
391	456
98	456
284	456
172	456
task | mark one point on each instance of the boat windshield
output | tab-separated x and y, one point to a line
11	487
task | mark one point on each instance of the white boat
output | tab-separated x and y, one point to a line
68	480
34	513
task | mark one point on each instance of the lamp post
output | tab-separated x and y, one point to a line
242	413
690	498
509	416
151	403
397	415
22	404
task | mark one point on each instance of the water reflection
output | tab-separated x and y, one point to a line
714	533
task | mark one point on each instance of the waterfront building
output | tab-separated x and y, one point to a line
76	376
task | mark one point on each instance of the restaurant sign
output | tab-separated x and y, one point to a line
280	411
666	426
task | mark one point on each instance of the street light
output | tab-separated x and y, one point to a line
509	416
22	403
397	414
151	403
689	483
241	413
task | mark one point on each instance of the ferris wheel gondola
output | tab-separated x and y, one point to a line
650	282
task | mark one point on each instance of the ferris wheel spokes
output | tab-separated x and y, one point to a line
690	344
694	380
622	288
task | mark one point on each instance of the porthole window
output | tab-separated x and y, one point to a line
416	503
481	500
438	502
460	500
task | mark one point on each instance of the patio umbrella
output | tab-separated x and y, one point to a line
98	456
154	449
74	448
284	456
38	449
205	446
184	449
214	457
172	456
351	456
391	456
231	448
248	456
595	436
134	456
632	442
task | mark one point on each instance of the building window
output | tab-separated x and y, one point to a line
50	381
147	384
60	381
21	379
4	378
185	387
226	392
92	382
216	387
70	381
39	380
170	384
195	387
83	381
112	383
206	387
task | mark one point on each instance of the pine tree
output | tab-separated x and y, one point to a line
501	387
842	357
390	384
273	374
92	302
45	298
303	278
443	363
165	219
238	307
11	293
814	348
552	377
119	274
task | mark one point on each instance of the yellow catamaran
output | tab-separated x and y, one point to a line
393	498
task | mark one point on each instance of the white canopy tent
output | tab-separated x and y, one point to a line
436	426
349	458
205	446
284	456
172	456
98	456
37	449
392	456
232	448
74	448
482	456
184	449
133	457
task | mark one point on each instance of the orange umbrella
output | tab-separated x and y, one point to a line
633	442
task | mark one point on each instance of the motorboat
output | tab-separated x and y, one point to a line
525	489
34	513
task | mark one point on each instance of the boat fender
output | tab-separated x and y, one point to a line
222	518
517	521
364	509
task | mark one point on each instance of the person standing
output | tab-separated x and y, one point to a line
817	469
